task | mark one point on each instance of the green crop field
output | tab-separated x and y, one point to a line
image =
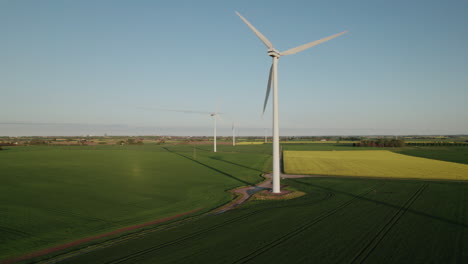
453	154
381	163
53	195
340	220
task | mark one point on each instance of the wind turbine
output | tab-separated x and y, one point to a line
215	116
273	81
233	135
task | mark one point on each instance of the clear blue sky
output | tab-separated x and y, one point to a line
85	67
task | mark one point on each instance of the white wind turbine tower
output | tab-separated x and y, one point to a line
273	81
233	135
215	116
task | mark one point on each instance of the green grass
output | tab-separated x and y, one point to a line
453	154
338	221
53	195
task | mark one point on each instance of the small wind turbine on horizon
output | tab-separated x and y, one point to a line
214	115
273	81
233	135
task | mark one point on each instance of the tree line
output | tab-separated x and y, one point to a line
380	143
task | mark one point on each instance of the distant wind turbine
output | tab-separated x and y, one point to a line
233	135
215	115
273	81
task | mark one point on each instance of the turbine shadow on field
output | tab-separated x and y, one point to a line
212	168
237	164
385	204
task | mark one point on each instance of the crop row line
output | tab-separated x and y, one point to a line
210	167
302	228
365	252
461	232
14	231
206	230
68	214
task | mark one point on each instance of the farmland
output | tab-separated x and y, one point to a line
453	154
53	195
339	220
56	194
381	163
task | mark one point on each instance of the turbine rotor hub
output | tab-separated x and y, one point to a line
273	53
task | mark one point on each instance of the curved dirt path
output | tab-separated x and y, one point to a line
246	192
88	239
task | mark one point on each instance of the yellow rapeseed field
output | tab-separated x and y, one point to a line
249	143
379	163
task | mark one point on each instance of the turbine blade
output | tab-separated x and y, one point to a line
259	35
310	44
268	89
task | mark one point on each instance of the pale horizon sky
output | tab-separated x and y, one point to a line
89	67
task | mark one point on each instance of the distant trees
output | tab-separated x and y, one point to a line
381	142
130	141
37	142
349	138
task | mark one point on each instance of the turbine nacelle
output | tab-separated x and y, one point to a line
274	53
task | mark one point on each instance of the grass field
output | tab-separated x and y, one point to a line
453	154
379	163
340	220
52	195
